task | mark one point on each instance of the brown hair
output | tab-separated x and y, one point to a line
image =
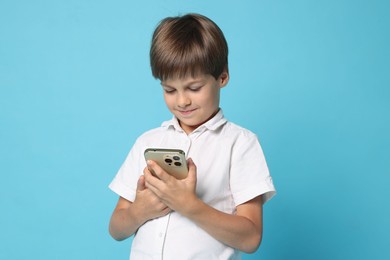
188	45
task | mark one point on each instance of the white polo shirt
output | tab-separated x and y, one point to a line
231	170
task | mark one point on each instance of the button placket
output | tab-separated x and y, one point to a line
161	231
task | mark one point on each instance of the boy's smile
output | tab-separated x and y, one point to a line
193	100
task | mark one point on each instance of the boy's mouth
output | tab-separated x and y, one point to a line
186	112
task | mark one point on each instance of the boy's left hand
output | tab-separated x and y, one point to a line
176	194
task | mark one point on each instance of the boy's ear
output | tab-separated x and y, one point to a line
223	79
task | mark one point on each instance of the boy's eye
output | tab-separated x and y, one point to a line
169	91
195	89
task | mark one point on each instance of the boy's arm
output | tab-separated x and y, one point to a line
242	230
129	216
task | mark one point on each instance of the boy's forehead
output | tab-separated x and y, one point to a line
183	73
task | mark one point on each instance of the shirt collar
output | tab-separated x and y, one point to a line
212	124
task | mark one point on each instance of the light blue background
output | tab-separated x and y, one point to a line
311	78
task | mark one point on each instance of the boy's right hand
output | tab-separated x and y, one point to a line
129	216
147	203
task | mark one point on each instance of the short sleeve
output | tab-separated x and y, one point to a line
125	181
249	174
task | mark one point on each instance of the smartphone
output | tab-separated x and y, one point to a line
173	161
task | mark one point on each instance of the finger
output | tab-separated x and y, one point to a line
166	211
158	171
147	173
149	177
147	169
191	169
150	186
190	162
152	182
141	183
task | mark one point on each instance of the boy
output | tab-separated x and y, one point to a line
216	211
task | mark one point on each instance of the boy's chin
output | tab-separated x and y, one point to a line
188	124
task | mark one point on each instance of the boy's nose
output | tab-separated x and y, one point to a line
183	101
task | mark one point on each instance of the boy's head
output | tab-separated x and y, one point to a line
188	45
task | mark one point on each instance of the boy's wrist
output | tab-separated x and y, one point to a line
192	207
138	214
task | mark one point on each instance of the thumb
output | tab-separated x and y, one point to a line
141	183
191	169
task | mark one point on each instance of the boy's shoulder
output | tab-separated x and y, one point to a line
233	129
153	133
157	132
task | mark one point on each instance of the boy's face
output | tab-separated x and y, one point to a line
193	100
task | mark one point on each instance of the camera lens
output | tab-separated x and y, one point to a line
178	163
176	158
168	160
